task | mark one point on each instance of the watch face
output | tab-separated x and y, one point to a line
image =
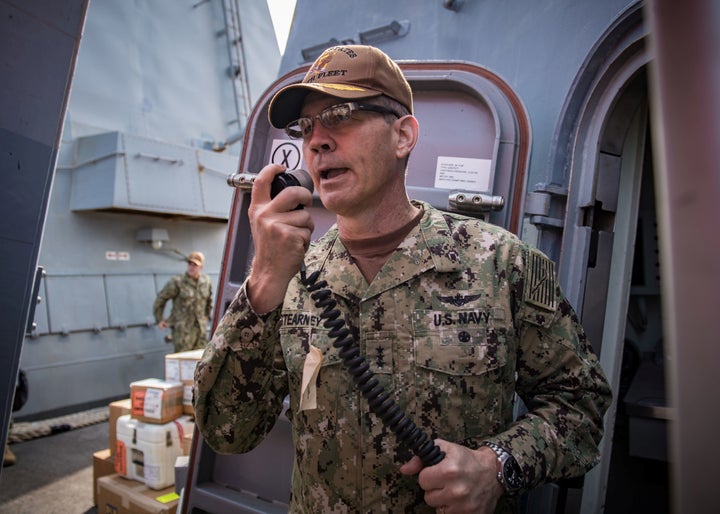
512	474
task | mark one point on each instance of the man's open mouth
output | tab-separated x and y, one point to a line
332	173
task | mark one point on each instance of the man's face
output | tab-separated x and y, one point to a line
194	269
354	165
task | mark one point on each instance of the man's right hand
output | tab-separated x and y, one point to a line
281	235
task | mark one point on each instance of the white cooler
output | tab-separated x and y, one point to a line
146	452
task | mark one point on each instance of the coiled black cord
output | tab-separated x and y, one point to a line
380	402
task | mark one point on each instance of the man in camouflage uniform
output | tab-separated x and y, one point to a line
454	316
191	296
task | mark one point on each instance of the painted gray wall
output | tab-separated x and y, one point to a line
157	72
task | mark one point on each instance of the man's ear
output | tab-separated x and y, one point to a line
407	127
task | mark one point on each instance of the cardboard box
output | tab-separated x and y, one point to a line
181	367
117	495
156	401
103	465
117	409
146	452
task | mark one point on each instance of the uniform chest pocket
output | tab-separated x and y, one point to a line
459	342
296	343
461	365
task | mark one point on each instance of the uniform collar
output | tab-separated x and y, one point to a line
429	246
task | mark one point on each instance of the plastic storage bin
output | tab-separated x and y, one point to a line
146	452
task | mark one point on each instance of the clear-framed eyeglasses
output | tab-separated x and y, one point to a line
331	118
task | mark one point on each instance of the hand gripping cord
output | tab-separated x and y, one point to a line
380	402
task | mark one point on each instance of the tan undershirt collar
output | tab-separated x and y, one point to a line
370	254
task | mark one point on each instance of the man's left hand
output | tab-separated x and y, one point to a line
465	481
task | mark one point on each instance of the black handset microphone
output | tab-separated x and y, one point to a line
245	181
380	402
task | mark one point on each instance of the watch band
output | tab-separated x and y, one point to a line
509	473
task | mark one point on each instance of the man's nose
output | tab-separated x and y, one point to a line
320	138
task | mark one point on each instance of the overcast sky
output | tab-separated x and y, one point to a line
281	12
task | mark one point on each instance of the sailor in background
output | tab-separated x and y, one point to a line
191	296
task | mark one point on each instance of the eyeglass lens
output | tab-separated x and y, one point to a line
330	118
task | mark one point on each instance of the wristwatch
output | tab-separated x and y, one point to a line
509	473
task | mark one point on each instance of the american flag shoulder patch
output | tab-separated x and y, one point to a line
540	283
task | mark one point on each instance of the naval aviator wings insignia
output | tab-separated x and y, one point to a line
540	284
458	300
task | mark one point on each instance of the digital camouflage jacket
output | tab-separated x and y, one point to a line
461	317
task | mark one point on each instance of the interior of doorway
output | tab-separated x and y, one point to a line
622	307
639	473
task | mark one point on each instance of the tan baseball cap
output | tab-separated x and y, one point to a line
347	72
197	258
